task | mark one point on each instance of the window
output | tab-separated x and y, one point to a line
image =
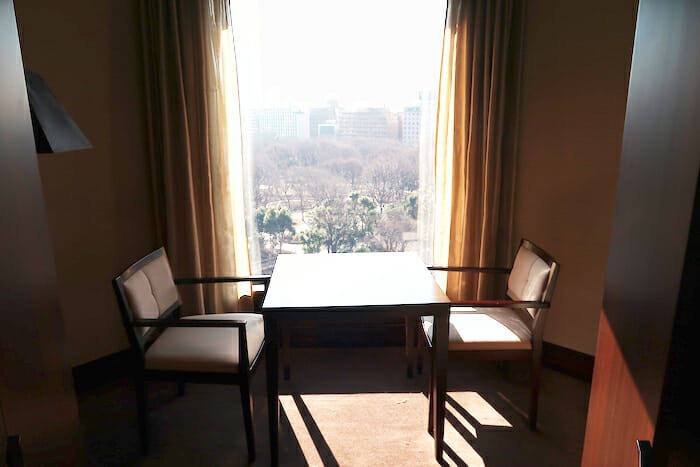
338	104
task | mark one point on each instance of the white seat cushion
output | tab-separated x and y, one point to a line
528	278
205	349
151	290
485	329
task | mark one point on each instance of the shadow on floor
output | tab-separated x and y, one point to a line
345	407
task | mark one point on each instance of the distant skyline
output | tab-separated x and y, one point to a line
415	103
364	53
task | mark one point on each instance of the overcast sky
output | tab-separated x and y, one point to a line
360	52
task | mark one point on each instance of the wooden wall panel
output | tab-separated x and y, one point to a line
617	403
656	189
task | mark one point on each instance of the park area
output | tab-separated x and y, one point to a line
334	196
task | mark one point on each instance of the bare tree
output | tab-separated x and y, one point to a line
390	230
382	180
286	187
390	177
303	180
323	185
265	175
349	169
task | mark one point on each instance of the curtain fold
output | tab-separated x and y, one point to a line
475	141
195	144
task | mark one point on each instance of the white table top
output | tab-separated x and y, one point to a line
323	282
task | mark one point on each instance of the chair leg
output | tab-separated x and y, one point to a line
247	403
535	391
142	412
286	344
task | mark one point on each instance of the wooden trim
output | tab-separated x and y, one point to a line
391	334
191	323
264	279
501	303
571	362
470	269
118	365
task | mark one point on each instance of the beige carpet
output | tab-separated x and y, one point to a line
345	407
383	429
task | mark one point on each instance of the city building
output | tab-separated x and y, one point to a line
369	123
319	116
280	122
328	130
410	125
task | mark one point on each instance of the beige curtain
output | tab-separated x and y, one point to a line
475	150
195	141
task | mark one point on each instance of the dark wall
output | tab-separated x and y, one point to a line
98	201
36	391
677	437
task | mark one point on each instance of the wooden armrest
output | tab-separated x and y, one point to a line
470	269
501	303
190	323
262	279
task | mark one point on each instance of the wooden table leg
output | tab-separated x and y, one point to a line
285	349
273	405
440	342
411	329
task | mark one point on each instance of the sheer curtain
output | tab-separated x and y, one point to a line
475	150
195	144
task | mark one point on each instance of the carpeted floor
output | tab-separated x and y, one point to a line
347	407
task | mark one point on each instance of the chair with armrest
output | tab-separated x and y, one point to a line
509	329
217	349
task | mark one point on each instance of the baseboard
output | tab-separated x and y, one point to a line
571	362
391	334
110	368
353	334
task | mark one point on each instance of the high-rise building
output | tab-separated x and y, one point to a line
319	116
410	125
280	122
369	123
327	130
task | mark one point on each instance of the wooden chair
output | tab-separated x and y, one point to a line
509	329
218	348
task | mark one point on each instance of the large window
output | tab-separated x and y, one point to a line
338	105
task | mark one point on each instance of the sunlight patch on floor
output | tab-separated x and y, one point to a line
482	412
385	429
300	431
460	419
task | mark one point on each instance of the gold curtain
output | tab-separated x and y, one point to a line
195	143
475	150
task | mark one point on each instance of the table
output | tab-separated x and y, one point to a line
348	286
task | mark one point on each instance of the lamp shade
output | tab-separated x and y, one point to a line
54	130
